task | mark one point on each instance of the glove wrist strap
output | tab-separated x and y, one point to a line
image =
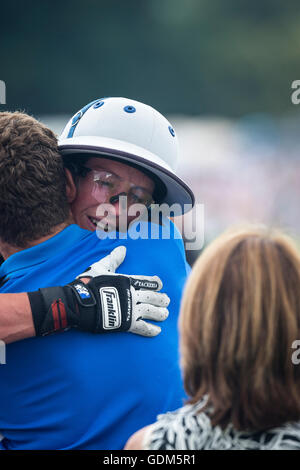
51	310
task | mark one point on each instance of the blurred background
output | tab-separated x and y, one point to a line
221	71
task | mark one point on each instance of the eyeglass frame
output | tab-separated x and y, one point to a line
120	179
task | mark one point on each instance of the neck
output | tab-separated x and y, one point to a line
7	250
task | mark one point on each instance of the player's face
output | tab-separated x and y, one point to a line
105	180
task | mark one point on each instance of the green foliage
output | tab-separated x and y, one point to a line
194	56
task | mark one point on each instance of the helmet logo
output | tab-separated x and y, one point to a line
76	118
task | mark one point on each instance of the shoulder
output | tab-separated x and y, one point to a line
158	244
164	237
136	441
183	429
189	428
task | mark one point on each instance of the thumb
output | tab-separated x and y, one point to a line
112	261
144	328
106	265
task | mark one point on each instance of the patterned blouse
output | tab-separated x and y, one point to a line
185	429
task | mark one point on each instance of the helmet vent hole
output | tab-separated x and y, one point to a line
172	132
129	109
98	104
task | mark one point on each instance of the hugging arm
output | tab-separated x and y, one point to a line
16	320
98	301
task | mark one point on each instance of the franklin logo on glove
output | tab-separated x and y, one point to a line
111	309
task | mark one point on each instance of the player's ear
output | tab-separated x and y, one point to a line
70	186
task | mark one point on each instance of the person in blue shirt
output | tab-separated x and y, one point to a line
74	390
115	149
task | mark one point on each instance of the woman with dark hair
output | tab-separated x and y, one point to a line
239	323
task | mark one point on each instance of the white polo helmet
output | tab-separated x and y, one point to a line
131	132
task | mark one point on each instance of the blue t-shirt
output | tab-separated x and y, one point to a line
77	390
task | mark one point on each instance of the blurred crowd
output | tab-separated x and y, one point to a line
245	170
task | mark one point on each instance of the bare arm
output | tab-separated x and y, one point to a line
136	441
16	321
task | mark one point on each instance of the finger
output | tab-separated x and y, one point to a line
150	312
150	297
146	282
145	329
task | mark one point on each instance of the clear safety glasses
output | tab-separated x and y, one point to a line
110	186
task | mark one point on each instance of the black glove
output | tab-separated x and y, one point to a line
108	303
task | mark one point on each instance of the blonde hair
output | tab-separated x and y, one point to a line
240	315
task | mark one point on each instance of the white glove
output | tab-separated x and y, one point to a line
147	302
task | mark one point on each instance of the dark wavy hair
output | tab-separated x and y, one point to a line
32	180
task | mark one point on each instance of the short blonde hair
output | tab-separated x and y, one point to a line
240	315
